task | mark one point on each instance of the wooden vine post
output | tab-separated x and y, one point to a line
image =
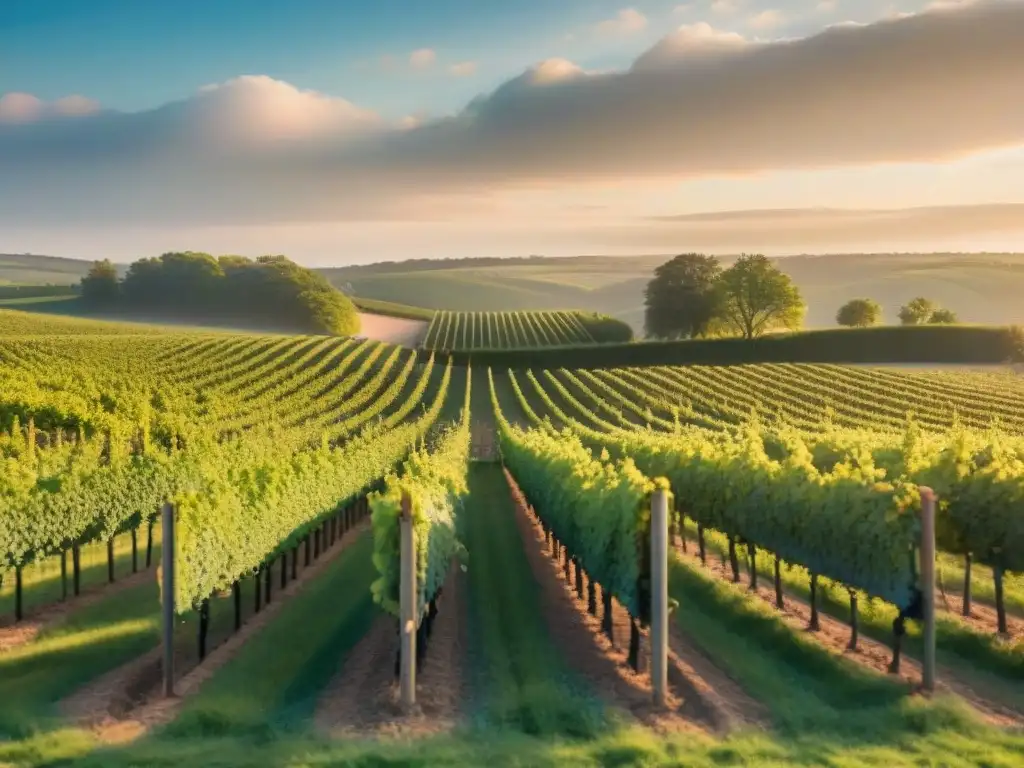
928	586
407	607
167	597
659	596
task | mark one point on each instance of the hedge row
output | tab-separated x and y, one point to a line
949	344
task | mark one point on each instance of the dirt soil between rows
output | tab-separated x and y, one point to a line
363	698
701	697
128	701
46	617
872	654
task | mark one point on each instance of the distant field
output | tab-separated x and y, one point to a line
469	331
979	288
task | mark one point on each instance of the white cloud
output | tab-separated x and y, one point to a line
766	20
826	6
628	21
948	5
463	69
701	102
422	58
690	42
24	107
725	7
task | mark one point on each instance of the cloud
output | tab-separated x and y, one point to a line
463	69
725	7
24	107
826	6
816	227
422	58
628	21
701	102
765	20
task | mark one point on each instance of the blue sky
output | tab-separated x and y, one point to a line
137	54
339	131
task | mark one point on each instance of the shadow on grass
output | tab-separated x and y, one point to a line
33	677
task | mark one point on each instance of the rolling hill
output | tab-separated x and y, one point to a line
981	288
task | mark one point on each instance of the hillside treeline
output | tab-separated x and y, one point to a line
268	292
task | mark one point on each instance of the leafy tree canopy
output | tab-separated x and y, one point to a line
917	311
755	296
680	299
941	315
271	291
859	313
100	285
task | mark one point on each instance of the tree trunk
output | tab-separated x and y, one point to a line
284	570
997	577
779	602
898	630
634	645
63	575
295	561
606	616
967	585
591	595
579	578
236	592
268	577
753	567
700	544
149	544
853	621
204	626
734	560
259	587
814	626
135	552
110	560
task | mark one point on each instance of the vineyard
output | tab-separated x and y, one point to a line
314	493
467	331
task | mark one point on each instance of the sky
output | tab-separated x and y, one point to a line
347	132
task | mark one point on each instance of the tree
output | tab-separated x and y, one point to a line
917	311
755	296
942	316
680	299
859	313
100	285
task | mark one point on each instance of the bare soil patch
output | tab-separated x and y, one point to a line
396	330
129	700
45	617
872	654
700	696
363	698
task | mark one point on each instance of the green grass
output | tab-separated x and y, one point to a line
521	681
92	641
273	683
957	643
825	711
41	582
391	309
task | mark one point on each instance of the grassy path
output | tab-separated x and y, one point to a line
274	680
88	643
520	680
